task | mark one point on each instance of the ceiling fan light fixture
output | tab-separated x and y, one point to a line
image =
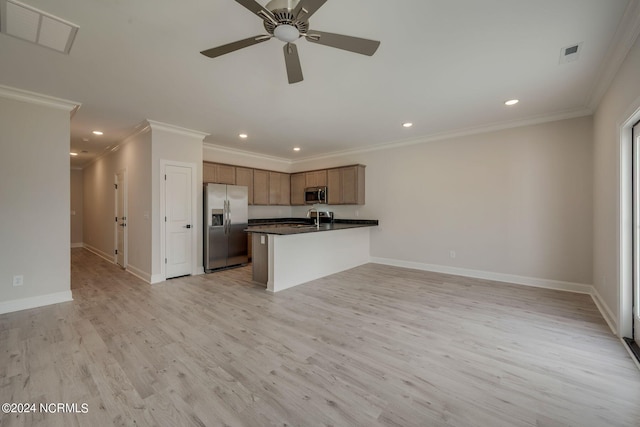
286	33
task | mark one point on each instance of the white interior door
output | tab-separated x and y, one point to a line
179	229
121	218
636	233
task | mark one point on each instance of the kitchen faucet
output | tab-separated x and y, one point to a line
317	216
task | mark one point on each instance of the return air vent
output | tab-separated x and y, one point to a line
570	53
27	23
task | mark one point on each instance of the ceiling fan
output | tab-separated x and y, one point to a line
288	20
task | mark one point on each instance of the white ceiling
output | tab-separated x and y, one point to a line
444	65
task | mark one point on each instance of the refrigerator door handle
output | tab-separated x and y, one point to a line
228	217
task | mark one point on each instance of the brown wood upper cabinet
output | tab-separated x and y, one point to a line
218	173
302	180
298	184
260	187
315	178
244	176
346	185
279	188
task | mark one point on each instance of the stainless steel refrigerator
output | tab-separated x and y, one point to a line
226	214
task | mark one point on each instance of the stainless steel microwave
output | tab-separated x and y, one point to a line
315	195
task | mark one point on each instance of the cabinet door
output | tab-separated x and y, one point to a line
208	172
349	185
346	185
279	188
316	178
226	174
298	183
285	189
244	176
334	190
260	187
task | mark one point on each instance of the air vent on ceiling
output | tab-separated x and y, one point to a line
33	25
570	53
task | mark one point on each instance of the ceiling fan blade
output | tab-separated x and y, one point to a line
306	8
257	9
352	44
231	47
292	61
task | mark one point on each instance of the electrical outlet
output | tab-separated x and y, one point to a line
452	254
18	280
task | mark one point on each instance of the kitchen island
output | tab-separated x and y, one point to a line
289	254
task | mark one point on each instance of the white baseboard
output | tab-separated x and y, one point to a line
77	245
157	278
104	255
143	275
605	311
488	275
199	270
33	302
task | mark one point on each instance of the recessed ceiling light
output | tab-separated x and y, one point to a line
407	124
97	132
85	139
511	102
243	136
296	148
73	154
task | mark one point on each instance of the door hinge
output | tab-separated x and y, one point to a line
165	176
165	260
116	219
165	219
116	186
116	252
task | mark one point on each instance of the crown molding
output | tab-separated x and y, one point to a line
245	153
176	129
38	99
544	118
139	129
624	39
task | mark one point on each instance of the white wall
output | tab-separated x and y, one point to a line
177	145
134	156
515	202
618	104
76	207
34	172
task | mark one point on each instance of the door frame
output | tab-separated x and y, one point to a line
625	229
125	208
194	214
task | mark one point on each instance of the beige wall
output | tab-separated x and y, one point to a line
133	156
513	202
34	232
619	103
76	207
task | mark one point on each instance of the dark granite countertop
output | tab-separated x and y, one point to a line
287	226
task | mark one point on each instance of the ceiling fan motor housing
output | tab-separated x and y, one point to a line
282	11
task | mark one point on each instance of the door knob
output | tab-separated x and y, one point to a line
187	226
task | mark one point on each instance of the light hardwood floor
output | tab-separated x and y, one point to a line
373	346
